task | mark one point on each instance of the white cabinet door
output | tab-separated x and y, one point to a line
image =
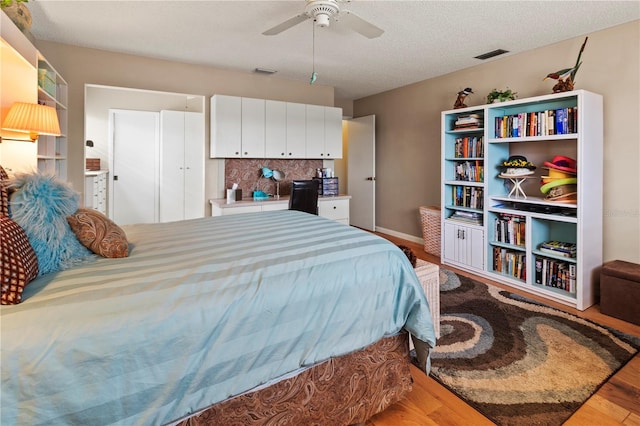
315	131
296	130
181	165
253	127
464	245
194	138
332	132
226	126
171	165
276	129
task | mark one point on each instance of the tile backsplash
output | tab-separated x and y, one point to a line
247	174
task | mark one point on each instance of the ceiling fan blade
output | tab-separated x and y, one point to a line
359	25
286	24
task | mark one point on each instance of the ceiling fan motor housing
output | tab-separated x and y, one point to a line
322	11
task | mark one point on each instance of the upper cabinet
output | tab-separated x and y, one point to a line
226	126
256	128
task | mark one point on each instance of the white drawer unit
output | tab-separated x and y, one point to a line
95	191
336	209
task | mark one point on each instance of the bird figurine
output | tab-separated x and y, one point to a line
567	77
460	99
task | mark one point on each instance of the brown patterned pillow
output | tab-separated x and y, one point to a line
19	261
98	233
4	193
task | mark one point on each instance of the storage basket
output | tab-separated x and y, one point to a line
430	217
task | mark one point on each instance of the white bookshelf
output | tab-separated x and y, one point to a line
542	220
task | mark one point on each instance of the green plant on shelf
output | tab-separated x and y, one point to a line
6	3
501	95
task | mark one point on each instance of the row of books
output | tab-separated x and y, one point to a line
468	196
510	229
470	171
471	121
510	262
542	123
559	248
472	218
556	274
469	147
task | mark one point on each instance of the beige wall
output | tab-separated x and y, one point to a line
408	129
80	66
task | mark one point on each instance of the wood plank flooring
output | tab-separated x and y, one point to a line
617	402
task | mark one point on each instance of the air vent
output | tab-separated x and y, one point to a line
492	54
264	71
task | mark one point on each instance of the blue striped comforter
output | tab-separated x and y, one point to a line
201	310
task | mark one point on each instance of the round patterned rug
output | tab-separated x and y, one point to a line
517	361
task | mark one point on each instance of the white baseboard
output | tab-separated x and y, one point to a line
404	236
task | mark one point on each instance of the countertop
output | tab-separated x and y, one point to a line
222	202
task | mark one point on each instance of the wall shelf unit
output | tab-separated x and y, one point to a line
540	128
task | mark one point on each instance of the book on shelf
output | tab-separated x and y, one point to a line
556	274
468	196
510	262
472	218
469	171
559	248
469	147
558	121
468	122
510	229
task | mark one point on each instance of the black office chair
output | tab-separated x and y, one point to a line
304	196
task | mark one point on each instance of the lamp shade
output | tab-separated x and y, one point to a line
34	119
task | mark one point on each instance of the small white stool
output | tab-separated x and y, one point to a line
429	276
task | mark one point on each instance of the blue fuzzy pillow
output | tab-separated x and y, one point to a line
40	205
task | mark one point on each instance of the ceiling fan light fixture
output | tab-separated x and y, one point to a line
322	20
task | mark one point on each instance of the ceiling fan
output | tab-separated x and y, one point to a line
321	11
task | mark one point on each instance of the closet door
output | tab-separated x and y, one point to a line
181	165
194	201
172	176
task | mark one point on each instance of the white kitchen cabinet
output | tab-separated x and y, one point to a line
332	132
257	128
252	128
181	165
296	130
465	245
315	131
275	134
226	127
323	132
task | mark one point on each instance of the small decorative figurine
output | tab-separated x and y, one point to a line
567	77
460	99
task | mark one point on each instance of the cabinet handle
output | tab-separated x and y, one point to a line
334	207
237	153
328	154
321	154
245	153
289	154
282	153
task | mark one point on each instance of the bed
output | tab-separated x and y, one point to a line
242	319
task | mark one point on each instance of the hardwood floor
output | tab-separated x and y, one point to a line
617	402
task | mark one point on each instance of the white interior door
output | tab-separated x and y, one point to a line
133	183
361	171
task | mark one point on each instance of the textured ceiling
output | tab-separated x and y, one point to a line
422	39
